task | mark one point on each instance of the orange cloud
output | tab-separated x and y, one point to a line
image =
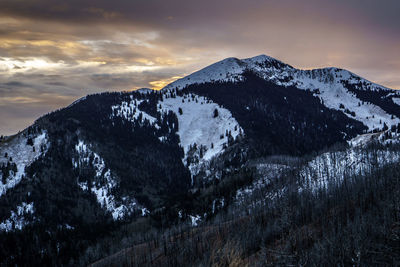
157	85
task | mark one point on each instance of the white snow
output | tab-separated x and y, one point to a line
229	69
68	227
333	93
321	172
328	81
145	212
22	155
17	218
266	172
195	219
103	184
131	112
363	139
332	167
217	204
197	125
396	100
144	90
383	137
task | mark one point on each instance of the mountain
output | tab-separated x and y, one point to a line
227	139
338	89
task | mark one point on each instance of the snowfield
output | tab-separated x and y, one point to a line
198	126
104	183
334	94
22	154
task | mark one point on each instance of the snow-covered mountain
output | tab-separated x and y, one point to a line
331	85
193	148
232	69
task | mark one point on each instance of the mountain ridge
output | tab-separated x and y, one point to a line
239	65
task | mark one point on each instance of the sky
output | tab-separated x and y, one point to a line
53	52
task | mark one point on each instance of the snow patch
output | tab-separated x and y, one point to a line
145	212
384	137
332	167
22	155
195	219
329	83
396	100
103	184
17	219
144	90
131	112
267	172
204	127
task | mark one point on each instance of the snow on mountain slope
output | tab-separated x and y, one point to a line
131	112
396	101
327	84
22	154
389	136
229	69
267	172
200	125
144	90
331	167
363	139
335	96
103	184
17	219
321	172
232	69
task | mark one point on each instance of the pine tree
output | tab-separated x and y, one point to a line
215	113
29	142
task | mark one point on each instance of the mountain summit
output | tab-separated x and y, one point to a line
232	69
229	69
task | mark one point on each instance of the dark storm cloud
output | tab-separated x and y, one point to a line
152	12
54	51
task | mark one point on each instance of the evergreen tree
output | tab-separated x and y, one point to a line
215	114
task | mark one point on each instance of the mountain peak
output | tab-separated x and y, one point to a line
261	58
231	69
265	60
